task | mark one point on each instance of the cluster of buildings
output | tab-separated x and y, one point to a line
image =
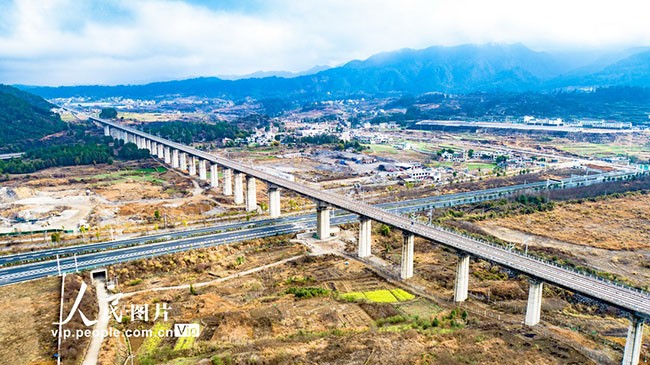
410	172
558	122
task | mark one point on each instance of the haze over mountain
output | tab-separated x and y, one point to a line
459	69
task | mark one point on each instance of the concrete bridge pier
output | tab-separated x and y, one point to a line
274	201
239	188
161	151
365	237
203	172
183	161
634	342
147	145
153	150
168	155
462	278
322	220
227	181
175	162
107	131
406	270
534	308
125	137
251	194
192	170
214	175
138	141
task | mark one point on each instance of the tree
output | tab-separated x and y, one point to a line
56	237
108	113
470	153
156	214
384	230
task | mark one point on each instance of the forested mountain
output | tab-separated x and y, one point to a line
24	118
456	70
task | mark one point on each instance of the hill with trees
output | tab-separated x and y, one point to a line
25	119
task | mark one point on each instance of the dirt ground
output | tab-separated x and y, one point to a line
109	199
254	318
27	315
612	224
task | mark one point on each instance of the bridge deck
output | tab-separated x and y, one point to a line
622	297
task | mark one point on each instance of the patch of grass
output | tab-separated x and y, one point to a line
150	344
134	282
383	148
184	343
480	165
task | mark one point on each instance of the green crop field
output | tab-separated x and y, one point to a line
480	165
380	296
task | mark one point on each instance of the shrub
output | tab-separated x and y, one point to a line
308	292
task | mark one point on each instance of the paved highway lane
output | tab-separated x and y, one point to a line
16	274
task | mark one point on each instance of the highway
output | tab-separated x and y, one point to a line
37	270
401	207
624	298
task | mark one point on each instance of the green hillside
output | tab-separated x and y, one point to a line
24	119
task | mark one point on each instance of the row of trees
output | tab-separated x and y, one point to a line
324	139
189	132
90	152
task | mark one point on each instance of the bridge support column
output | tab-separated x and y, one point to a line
322	220
168	155
634	342
125	137
175	162
239	188
274	201
192	170
107	131
138	141
251	194
534	308
203	172
147	144
407	257
227	181
183	161
365	237
153	150
462	278
214	175
161	151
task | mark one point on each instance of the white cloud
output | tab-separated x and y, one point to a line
121	41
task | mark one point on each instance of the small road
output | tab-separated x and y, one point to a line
103	317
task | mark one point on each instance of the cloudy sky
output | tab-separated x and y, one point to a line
69	42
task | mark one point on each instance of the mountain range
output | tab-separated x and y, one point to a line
456	70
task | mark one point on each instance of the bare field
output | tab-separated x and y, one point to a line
27	314
613	224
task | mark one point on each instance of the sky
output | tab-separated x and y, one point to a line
75	42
